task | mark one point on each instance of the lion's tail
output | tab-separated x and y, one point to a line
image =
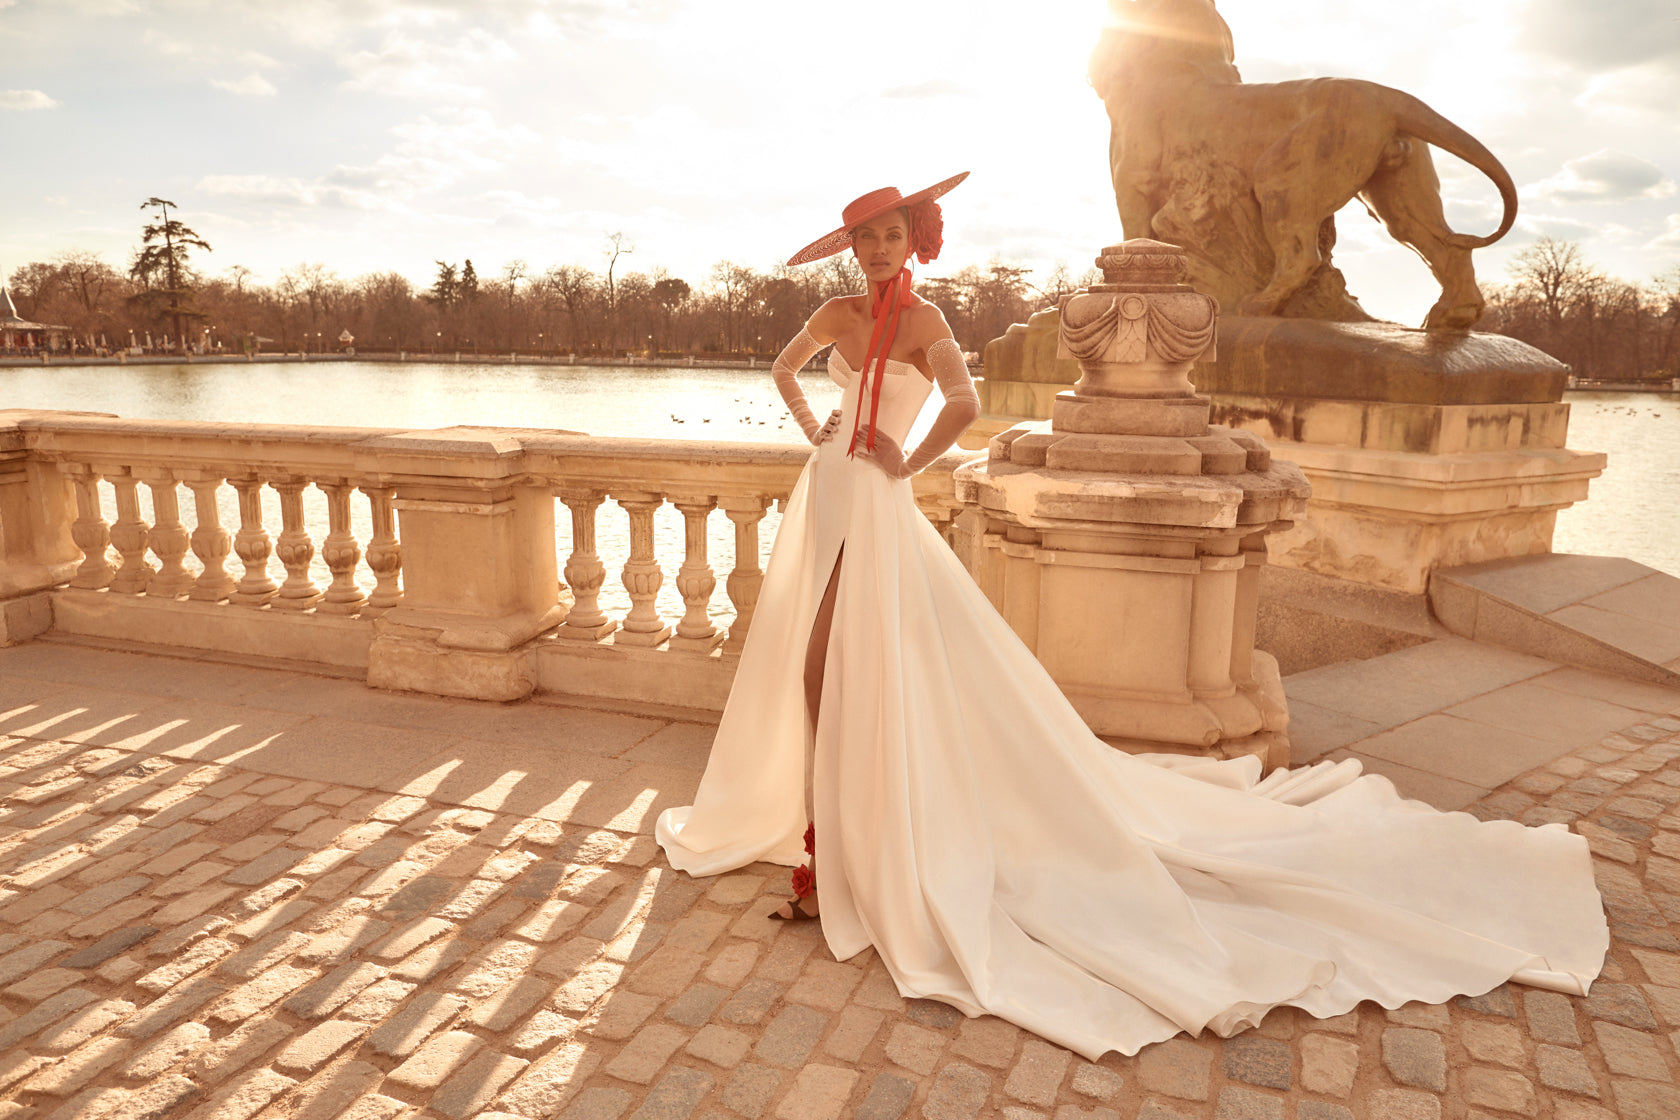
1418	119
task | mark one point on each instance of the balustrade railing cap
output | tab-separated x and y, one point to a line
1144	263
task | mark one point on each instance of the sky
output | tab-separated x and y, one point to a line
374	135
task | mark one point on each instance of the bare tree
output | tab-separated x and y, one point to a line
615	248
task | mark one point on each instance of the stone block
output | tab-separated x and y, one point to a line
751	1003
233	1053
789	1038
853	1034
619	1014
1328	1065
1258	1061
1645	1100
1403	1104
1565	1069
1498	1089
549	1082
1038	1073
399	1036
476	1084
825	984
1631	1053
958	1093
244	1097
434	1062
889	1095
988	1040
720	1046
72	1073
733	964
676	1095
646	1054
320	1045
1247	1104
1177	1067
750	1089
599	1104
1498	1043
819	1093
915	1048
1415	1057
333	990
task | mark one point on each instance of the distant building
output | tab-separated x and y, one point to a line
18	333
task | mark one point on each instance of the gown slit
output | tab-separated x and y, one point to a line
1001	858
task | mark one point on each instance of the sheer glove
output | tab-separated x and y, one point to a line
785	373
962	405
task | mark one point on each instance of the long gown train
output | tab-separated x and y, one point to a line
1003	859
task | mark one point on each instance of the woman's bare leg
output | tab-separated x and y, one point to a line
816	650
816	653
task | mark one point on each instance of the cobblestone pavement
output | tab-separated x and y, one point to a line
205	941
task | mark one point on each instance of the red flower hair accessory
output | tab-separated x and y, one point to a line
927	230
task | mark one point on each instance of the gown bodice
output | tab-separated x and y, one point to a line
902	397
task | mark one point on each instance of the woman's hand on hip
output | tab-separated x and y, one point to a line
826	432
887	454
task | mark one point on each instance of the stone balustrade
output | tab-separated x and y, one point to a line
436	567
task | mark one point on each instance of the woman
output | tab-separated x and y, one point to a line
1000	857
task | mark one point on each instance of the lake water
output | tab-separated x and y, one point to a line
1632	511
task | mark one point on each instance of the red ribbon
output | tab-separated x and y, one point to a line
890	297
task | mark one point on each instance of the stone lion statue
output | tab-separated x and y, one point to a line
1248	177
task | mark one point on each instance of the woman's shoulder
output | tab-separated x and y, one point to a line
837	313
924	324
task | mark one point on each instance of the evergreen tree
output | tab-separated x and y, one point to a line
167	260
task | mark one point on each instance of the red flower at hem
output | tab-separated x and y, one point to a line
803	881
811	839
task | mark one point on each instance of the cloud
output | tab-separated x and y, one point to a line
1603	176
1532	227
404	65
1652	88
1670	237
25	99
284	191
432	152
251	85
1602	36
935	87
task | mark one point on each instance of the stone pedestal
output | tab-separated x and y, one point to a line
1425	449
480	577
1123	538
37	507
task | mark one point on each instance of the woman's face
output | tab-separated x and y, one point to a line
882	246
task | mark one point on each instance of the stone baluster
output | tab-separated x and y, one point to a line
695	580
384	554
169	538
211	543
747	577
90	530
294	547
642	577
584	571
253	545
130	534
340	551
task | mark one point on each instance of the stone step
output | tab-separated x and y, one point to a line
1599	612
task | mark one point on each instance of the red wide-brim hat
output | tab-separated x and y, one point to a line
865	209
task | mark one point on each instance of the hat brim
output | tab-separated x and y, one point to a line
831	243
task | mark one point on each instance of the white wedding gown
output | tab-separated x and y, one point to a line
1003	859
